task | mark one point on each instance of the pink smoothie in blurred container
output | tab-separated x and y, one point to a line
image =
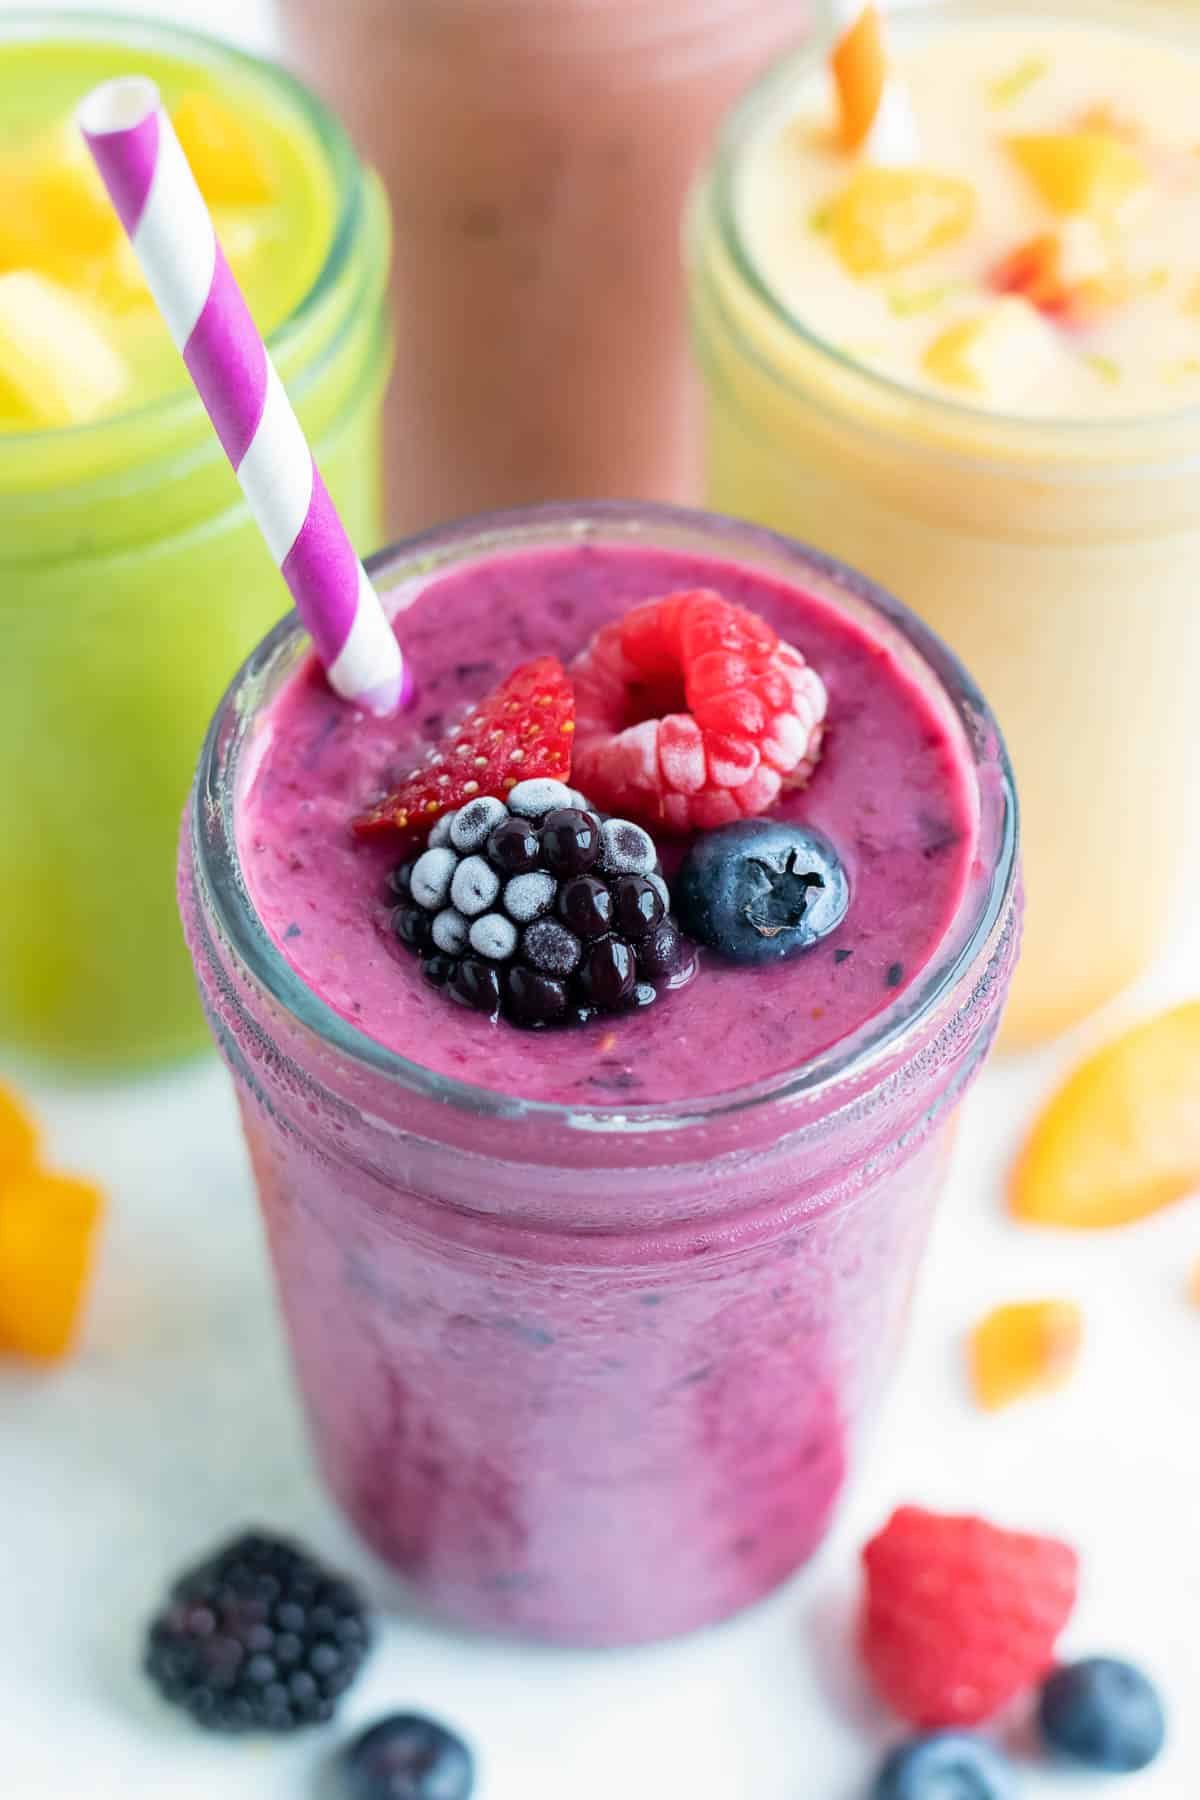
589	1322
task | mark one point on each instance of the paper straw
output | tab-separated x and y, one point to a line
169	226
860	68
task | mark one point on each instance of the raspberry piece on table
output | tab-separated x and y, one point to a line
521	733
692	712
960	1617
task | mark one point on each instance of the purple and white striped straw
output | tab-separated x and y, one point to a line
169	226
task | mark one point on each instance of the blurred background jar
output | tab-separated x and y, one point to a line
537	154
132	581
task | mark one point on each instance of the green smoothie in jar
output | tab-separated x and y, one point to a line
132	579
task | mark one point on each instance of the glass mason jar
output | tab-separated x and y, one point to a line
594	1376
1057	558
131	581
537	154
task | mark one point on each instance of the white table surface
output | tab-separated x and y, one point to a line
176	1424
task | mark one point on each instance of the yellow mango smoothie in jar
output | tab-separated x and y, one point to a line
969	361
132	580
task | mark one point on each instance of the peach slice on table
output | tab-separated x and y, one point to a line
886	218
226	160
995	352
1121	1137
47	1228
1089	172
859	64
1028	1347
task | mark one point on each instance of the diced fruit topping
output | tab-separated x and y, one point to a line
1026	1348
407	1757
1080	171
18	1137
47	1227
759	891
540	912
72	206
1001	350
945	1765
226	160
886	218
960	1617
258	1637
56	365
1121	1137
1105	117
1071	275
521	733
859	65
752	725
1102	1713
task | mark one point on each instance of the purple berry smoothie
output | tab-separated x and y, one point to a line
589	1322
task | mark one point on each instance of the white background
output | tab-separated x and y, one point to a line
176	1424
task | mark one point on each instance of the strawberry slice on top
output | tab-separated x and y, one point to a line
523	731
692	712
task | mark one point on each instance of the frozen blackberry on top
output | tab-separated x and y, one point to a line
541	911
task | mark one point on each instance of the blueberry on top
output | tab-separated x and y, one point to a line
760	890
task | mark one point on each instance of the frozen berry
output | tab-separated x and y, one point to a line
413	926
532	998
945	1765
760	890
407	1757
514	847
1102	1713
570	841
582	927
608	973
640	905
258	1637
476	984
725	715
586	906
524	729
399	881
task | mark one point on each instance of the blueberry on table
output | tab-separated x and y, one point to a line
945	1765
760	890
1102	1713
407	1757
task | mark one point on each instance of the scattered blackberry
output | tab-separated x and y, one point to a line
540	912
258	1637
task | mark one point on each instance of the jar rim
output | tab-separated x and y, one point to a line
981	927
181	406
746	119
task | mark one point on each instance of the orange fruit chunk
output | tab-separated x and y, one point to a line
1027	1347
859	71
885	218
18	1138
1080	171
1121	1137
47	1226
228	165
